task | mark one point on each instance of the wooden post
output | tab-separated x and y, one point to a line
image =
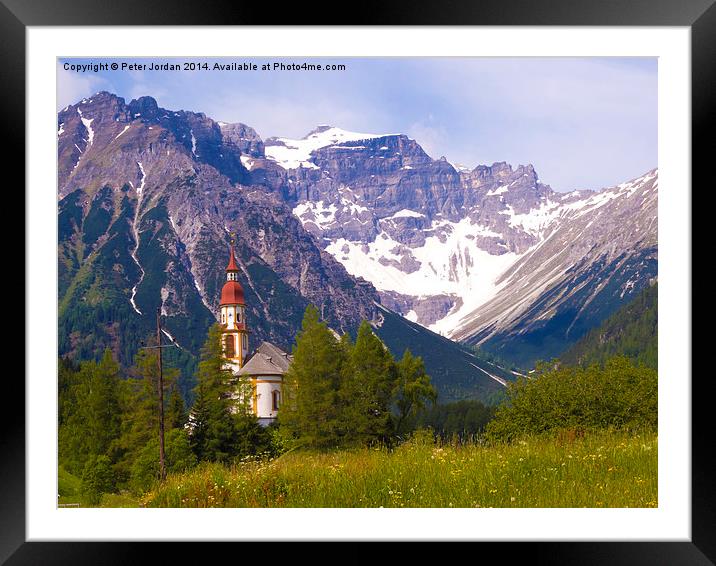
160	387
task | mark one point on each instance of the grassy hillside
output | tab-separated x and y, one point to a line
456	372
599	470
632	331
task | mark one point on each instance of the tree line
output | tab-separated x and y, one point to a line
341	393
337	393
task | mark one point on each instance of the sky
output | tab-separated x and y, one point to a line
584	123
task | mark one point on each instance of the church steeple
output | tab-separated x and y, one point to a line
235	334
232	267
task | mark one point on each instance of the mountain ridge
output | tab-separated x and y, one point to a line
147	198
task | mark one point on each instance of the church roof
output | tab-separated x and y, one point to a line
267	360
232	260
232	293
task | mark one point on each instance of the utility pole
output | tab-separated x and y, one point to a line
160	387
160	390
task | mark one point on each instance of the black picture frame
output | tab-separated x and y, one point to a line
698	15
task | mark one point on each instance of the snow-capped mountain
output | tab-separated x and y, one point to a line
467	253
148	199
355	223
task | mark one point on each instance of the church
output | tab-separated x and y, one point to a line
265	369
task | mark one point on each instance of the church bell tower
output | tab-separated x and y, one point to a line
235	334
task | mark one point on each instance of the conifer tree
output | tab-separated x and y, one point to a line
176	416
199	422
91	426
217	400
141	407
366	388
309	413
412	390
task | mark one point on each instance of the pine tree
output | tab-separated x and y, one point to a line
91	426
176	416
199	422
140	424
412	390
309	413
366	389
218	398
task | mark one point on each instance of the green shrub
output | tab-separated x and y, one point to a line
619	395
179	458
97	478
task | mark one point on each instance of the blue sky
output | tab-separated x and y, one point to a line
584	123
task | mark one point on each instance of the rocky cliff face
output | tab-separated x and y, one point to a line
441	243
148	199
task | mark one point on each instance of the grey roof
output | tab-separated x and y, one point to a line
267	360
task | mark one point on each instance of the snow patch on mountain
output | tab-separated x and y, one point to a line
120	133
316	212
193	143
405	213
292	154
448	263
88	126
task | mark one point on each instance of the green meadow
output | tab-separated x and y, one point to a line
600	469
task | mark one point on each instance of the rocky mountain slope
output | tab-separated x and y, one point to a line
632	331
488	256
365	226
148	200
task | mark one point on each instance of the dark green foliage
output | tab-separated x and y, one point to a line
97	478
495	360
632	331
368	378
310	411
412	390
462	419
455	371
140	414
92	418
213	419
99	216
176	415
67	378
179	458
222	427
617	395
110	422
338	393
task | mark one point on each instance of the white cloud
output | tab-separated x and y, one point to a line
72	86
292	115
432	137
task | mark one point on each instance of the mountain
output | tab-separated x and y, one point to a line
487	256
148	200
632	331
453	368
364	226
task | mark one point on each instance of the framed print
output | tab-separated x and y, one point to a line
306	278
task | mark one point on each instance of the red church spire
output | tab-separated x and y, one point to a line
232	260
232	293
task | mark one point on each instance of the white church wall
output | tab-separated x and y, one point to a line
265	386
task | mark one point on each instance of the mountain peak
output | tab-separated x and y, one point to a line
144	106
318	130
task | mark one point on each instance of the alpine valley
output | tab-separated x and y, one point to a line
439	258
